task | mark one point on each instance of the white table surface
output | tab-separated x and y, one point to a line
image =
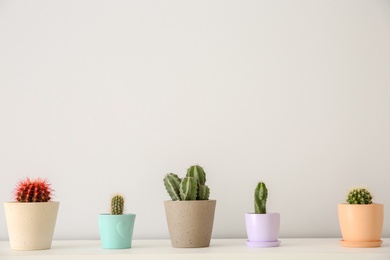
302	249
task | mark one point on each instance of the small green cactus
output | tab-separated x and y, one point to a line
359	196
117	203
203	192
261	194
191	187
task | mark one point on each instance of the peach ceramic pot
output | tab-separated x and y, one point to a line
190	223
31	224
361	225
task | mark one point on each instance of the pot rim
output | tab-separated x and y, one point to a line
29	203
359	205
188	201
124	214
269	213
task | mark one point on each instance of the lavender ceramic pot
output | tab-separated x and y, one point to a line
262	229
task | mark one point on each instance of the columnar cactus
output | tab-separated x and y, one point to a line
191	187
29	190
261	194
117	202
203	192
198	173
359	196
172	185
188	188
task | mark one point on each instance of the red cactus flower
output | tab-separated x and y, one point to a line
28	190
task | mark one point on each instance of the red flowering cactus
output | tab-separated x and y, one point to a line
28	190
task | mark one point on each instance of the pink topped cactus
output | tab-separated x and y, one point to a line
28	190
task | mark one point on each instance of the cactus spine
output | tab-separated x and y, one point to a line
191	187
29	190
359	196
261	194
117	202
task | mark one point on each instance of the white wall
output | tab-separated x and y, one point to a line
109	96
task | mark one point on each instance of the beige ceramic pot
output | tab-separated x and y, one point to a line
31	224
190	223
361	225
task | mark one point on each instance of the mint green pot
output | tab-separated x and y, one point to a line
116	231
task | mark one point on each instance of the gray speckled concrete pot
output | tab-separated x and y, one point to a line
31	224
190	223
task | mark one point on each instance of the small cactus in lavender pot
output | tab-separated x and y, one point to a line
191	187
359	196
261	195
33	190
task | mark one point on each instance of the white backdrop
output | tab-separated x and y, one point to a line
109	96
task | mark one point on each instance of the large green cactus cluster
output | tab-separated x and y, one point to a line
191	187
117	203
261	194
359	196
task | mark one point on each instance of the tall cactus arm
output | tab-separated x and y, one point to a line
198	173
172	185
188	188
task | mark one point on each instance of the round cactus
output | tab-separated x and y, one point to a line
29	190
117	203
359	196
261	194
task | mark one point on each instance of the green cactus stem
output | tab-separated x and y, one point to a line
359	196
261	194
191	187
203	192
172	185
117	203
198	173
188	188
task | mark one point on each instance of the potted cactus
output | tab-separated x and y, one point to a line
361	220
190	213
262	228
32	217
116	229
